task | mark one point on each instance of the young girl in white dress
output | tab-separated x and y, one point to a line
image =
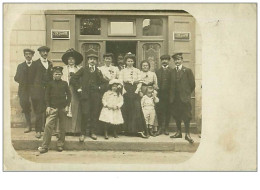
111	112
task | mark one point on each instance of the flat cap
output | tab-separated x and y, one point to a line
92	53
28	50
177	56
57	68
165	57
44	48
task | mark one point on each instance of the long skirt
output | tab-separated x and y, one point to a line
132	110
73	122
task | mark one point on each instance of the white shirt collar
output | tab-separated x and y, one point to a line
44	63
28	62
165	67
180	66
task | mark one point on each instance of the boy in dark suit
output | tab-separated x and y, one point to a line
88	82
182	85
57	98
25	76
43	76
163	107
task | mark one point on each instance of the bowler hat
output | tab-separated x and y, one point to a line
28	50
57	68
72	53
44	48
92	53
177	56
165	57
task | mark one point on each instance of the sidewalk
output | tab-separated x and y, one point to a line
27	141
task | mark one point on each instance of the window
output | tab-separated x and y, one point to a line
90	26
152	27
121	28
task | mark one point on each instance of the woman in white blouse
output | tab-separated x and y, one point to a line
72	59
132	111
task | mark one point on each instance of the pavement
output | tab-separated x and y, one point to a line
27	141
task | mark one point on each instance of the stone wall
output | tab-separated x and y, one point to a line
29	31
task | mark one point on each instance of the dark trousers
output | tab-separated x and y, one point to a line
51	122
39	108
90	109
163	111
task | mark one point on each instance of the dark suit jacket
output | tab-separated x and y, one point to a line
21	77
42	78
187	84
159	74
81	79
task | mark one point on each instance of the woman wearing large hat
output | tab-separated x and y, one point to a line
72	59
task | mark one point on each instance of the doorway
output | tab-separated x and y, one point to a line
121	47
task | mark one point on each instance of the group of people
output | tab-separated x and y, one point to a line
122	98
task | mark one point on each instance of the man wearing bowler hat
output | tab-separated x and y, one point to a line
25	76
182	85
88	82
163	107
43	76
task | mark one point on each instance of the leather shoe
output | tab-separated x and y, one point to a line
159	132
27	130
176	135
93	136
60	149
166	132
189	139
42	150
143	135
38	135
81	138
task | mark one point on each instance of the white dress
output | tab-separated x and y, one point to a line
111	99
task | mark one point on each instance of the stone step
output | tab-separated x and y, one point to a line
27	141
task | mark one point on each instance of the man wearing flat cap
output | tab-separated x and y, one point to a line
42	78
108	70
182	85
88	82
163	109
25	76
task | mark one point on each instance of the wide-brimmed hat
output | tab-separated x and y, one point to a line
115	81
72	53
44	48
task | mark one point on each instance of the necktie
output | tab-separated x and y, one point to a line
177	68
92	69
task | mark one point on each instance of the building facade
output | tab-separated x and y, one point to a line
147	34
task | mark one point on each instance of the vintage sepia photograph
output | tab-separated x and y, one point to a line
119	85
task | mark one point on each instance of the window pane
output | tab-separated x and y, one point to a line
152	53
152	27
122	28
90	26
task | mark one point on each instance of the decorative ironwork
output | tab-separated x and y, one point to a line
89	48
90	26
151	53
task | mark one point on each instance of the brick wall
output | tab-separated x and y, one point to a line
29	31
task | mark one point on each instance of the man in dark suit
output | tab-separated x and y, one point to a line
163	107
182	85
43	76
25	76
88	82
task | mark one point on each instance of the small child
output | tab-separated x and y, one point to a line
111	112
57	98
148	102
